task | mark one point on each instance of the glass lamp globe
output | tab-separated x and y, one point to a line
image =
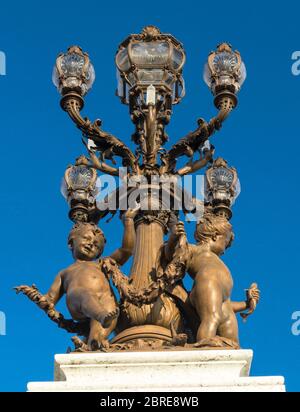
80	182
73	72
221	183
224	70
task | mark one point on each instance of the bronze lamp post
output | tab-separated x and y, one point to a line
150	82
153	310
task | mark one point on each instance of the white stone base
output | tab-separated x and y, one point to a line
161	371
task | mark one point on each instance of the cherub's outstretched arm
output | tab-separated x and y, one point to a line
239	306
56	291
44	303
122	254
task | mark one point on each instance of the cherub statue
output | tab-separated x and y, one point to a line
211	293
89	295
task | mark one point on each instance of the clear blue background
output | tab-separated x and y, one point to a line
261	139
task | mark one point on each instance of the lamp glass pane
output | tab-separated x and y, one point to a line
243	74
207	75
55	78
237	190
63	188
123	60
90	76
80	177
222	177
169	79
177	58
225	62
150	53
150	76
72	65
132	79
120	85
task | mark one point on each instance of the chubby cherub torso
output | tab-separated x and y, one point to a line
87	275
203	263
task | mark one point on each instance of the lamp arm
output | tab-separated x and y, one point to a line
105	142
104	167
96	163
194	166
195	140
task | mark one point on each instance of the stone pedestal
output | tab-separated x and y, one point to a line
155	371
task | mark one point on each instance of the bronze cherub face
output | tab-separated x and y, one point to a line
86	241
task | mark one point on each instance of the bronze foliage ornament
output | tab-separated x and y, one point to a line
153	309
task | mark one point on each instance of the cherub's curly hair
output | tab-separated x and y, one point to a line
80	226
210	226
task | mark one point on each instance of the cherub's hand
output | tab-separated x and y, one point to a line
131	213
178	229
253	296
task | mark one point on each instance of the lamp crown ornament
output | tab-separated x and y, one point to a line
150	32
224	47
82	161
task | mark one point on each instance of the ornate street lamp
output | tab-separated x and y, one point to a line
224	73
150	82
149	68
154	311
222	187
73	72
79	188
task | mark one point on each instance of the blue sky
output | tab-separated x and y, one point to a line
38	141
